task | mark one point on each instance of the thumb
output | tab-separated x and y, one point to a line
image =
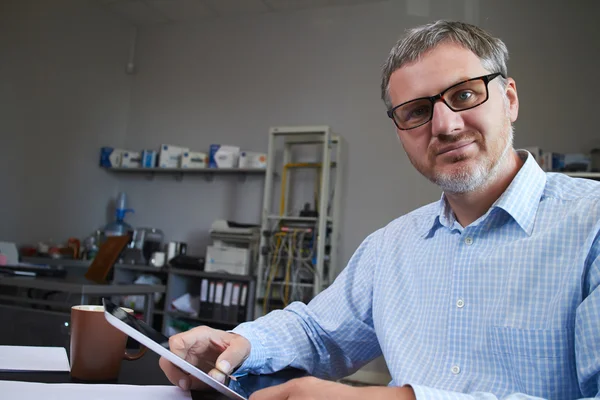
234	353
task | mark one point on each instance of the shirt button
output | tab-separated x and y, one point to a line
468	240
460	303
455	370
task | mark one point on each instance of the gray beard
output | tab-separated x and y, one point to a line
467	181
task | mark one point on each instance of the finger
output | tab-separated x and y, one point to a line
181	343
180	378
234	354
175	375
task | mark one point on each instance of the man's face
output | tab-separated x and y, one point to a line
459	151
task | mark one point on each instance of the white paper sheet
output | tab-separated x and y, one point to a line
32	358
77	391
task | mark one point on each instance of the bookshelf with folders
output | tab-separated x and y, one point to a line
221	300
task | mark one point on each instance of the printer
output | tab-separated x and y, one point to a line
234	247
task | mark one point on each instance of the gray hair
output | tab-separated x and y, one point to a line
491	51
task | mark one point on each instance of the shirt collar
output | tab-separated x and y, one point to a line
520	200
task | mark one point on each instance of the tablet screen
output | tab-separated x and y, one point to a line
157	337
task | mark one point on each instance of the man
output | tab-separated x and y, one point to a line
489	293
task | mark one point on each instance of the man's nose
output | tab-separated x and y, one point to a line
444	120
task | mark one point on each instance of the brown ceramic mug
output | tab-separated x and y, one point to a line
97	347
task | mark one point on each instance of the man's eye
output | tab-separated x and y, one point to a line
417	113
464	95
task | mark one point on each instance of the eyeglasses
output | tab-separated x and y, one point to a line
458	97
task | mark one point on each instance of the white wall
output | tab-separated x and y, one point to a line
63	95
229	80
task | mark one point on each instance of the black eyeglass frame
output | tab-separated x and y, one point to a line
485	78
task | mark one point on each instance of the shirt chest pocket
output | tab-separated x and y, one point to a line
539	362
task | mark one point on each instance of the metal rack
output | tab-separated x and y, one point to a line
325	225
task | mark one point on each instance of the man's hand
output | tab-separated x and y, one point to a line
311	388
206	348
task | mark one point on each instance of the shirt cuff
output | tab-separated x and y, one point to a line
257	358
424	392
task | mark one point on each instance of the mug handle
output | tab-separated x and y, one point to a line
139	354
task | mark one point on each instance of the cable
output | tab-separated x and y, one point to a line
286	287
276	256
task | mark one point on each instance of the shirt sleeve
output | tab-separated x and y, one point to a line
587	326
331	337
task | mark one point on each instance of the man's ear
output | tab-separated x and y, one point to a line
513	99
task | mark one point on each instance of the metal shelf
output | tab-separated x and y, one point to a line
299	284
210	275
329	166
208	173
190	170
178	314
70	263
142	268
297	219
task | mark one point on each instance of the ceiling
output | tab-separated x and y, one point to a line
151	12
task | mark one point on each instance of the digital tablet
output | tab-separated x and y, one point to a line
159	343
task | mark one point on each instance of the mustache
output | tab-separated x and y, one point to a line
444	140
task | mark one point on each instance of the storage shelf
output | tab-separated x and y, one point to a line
299	284
296	219
179	173
178	314
69	262
190	170
142	268
211	275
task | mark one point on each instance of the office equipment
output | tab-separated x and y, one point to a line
227	259
33	358
185	261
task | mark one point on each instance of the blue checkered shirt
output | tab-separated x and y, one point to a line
508	307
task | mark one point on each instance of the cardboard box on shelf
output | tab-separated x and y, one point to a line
252	159
131	159
170	156
194	160
149	158
110	157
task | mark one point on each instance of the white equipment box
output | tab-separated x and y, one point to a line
232	260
